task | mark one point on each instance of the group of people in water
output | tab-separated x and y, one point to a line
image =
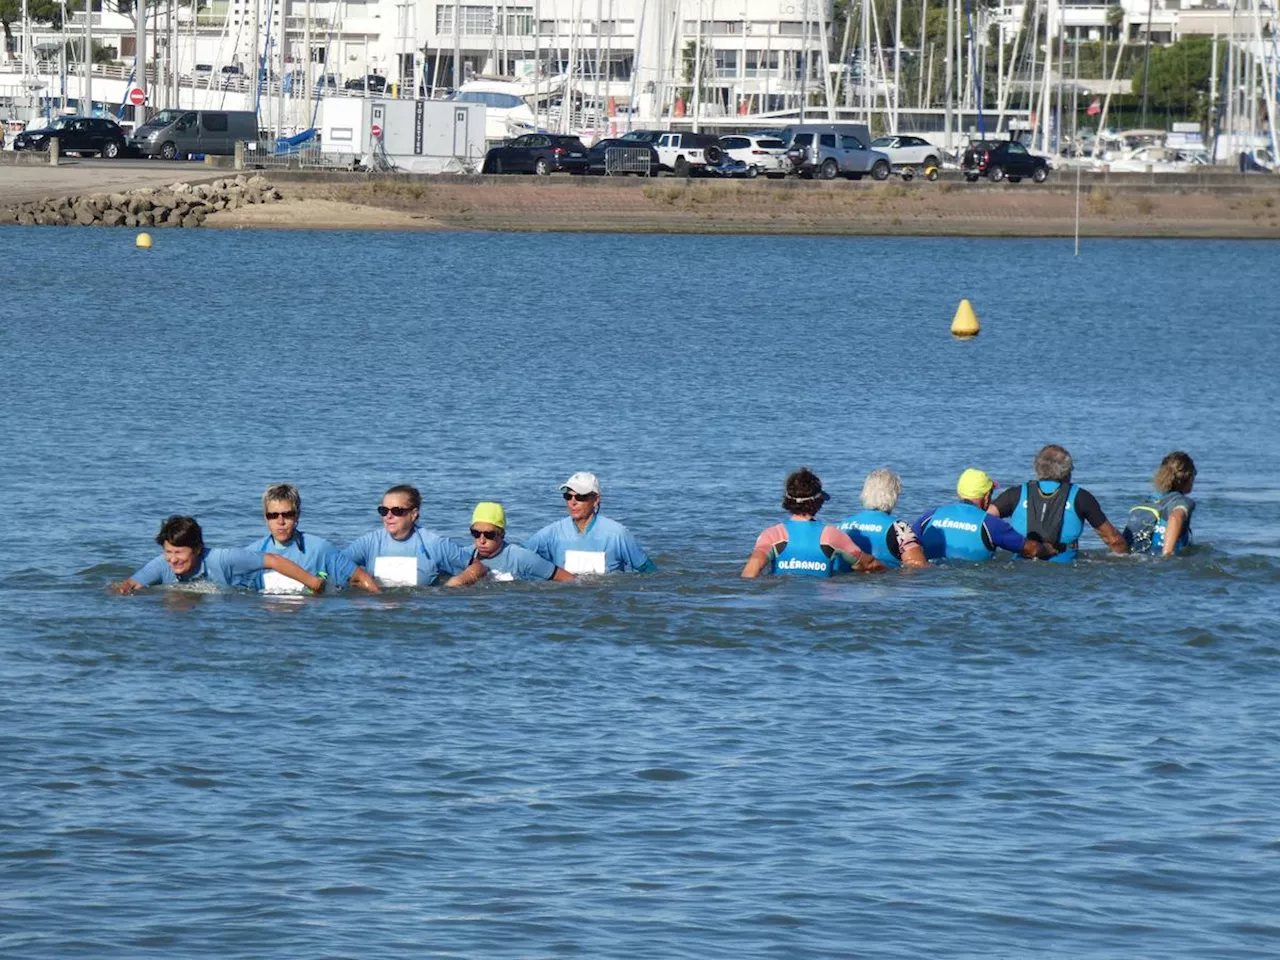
1040	519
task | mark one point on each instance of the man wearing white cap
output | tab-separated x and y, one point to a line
585	541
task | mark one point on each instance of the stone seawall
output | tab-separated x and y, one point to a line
177	205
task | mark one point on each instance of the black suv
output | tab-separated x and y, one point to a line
627	156
540	153
1000	159
76	135
374	83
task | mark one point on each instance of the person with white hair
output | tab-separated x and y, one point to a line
1052	509
876	531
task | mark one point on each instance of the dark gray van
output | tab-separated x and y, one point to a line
828	150
179	133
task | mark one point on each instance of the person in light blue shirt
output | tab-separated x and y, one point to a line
401	554
187	560
585	541
281	507
497	559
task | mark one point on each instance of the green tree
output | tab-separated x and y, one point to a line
42	11
1178	81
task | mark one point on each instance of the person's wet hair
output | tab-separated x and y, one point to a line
802	493
1177	471
181	532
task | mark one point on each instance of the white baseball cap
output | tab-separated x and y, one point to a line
582	482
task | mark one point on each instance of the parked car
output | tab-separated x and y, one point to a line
1000	159
171	134
828	150
684	154
767	155
905	151
540	153
627	157
76	135
373	83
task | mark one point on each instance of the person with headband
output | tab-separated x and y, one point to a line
586	541
800	545
400	553
965	531
281	508
497	558
187	560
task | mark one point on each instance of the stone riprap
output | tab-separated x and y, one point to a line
177	205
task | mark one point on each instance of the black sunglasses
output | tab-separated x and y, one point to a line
395	511
282	515
486	534
580	497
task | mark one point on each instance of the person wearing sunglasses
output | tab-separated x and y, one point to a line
801	545
281	507
187	560
586	541
402	554
497	559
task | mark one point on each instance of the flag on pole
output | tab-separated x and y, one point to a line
1095	108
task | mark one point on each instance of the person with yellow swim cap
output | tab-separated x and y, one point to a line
965	531
497	559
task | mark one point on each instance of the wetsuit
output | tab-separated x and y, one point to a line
1047	511
963	531
878	534
806	548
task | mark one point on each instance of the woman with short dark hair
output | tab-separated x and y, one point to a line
800	545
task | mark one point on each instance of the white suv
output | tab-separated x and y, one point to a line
767	155
906	151
682	153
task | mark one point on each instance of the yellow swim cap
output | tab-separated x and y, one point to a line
974	485
490	512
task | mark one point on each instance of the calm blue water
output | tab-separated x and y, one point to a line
1018	760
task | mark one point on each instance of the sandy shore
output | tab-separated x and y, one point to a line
951	208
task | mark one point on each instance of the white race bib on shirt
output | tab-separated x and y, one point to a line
584	561
501	576
273	581
396	571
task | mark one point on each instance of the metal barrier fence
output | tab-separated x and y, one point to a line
622	160
266	155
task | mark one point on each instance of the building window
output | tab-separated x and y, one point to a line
726	63
474	21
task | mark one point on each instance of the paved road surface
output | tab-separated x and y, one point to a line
22	183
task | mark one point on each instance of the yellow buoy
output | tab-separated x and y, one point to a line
144	242
965	323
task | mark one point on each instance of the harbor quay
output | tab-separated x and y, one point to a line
1215	204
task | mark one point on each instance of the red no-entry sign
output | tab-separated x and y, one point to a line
376	130
137	97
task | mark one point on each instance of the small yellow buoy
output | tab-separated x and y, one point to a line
965	323
144	242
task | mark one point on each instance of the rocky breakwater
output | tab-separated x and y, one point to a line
178	205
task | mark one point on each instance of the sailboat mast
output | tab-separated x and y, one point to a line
948	76
897	62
